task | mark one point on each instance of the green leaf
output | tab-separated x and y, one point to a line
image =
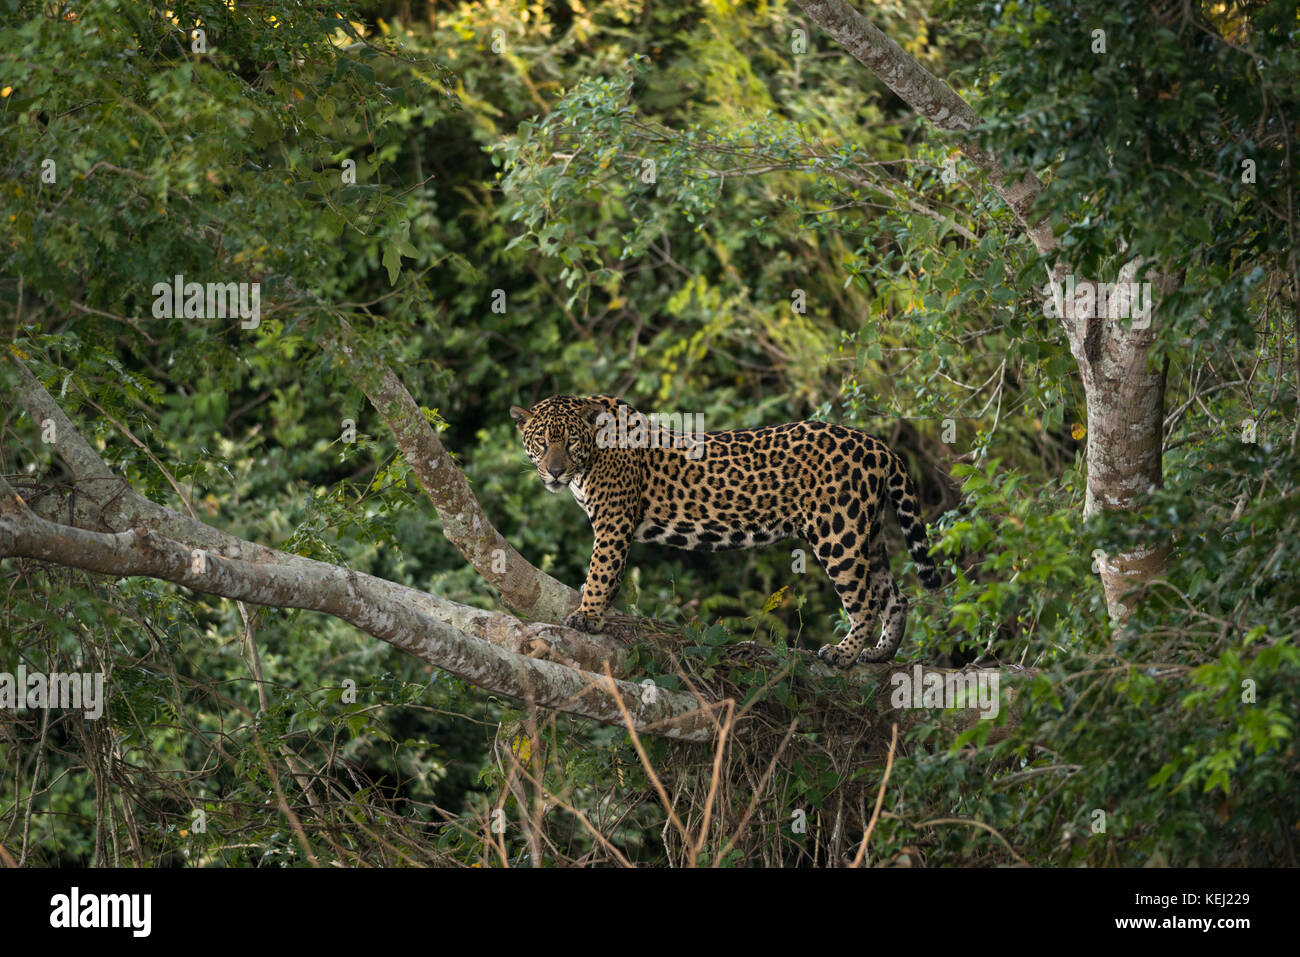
392	262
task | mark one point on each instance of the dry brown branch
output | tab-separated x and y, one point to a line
880	797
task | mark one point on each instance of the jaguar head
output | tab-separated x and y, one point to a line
559	435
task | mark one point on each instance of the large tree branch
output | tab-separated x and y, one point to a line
523	587
349	597
104	501
934	100
112	504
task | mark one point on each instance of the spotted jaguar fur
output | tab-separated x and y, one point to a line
745	488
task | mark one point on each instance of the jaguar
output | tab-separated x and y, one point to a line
745	488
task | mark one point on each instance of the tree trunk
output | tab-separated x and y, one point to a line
1125	395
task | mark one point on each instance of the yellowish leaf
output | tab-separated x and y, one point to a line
775	599
522	748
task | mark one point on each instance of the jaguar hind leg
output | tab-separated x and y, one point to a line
848	564
884	590
868	592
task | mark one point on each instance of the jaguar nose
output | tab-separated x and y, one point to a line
555	472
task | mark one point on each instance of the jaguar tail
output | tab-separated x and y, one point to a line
902	493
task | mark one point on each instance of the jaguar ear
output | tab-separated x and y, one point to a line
521	416
592	412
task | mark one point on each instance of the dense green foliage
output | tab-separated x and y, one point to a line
686	207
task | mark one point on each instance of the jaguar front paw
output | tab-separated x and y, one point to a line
580	622
835	656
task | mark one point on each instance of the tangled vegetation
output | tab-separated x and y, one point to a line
705	207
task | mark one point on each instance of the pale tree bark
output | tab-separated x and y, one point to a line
352	598
1123	392
523	587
